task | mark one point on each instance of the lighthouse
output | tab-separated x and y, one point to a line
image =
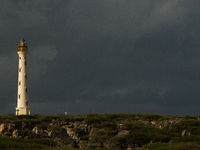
22	95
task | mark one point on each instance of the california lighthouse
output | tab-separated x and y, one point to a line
22	95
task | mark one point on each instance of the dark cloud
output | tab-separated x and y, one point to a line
103	56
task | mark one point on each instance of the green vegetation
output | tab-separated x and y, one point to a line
174	146
190	125
146	131
18	143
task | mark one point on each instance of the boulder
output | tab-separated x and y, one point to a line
122	133
165	126
15	133
50	133
185	133
3	128
119	127
35	130
153	123
70	132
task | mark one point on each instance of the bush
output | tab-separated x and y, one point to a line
148	117
191	125
76	129
94	120
6	143
55	128
106	124
97	137
137	139
190	138
48	118
42	126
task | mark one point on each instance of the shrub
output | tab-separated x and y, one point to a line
190	138
137	138
148	117
190	125
55	128
93	120
109	125
97	137
6	143
76	129
42	126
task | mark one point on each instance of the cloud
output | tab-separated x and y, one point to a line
8	67
25	13
39	58
119	20
111	56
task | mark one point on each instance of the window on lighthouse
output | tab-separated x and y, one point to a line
25	63
26	76
20	69
19	96
26	89
19	82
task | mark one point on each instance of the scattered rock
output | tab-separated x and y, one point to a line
153	122
35	130
122	133
3	128
119	127
15	133
185	133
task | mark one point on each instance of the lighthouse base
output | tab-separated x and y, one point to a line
23	110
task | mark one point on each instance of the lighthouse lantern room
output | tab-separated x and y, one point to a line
23	91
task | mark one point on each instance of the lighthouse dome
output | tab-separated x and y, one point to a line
22	41
22	46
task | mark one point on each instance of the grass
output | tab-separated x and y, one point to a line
174	146
18	143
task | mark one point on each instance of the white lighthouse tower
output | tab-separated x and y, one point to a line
22	96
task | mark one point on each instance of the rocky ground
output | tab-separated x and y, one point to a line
91	132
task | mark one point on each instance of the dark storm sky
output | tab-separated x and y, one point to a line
108	56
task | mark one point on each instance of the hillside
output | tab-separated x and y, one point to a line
94	131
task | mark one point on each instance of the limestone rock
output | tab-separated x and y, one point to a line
122	133
153	122
35	130
119	127
3	128
165	126
185	133
15	133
